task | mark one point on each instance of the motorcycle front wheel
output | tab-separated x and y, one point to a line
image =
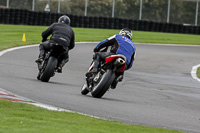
84	90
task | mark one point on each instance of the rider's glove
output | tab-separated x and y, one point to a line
43	39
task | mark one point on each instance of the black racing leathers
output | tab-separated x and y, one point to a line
62	34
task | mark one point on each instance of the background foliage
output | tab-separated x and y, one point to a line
182	11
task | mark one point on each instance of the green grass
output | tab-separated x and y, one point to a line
25	118
198	72
11	36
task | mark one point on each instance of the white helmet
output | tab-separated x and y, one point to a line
126	32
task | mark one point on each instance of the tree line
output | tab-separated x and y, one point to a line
181	11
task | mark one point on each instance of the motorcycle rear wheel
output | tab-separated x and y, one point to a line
49	70
104	84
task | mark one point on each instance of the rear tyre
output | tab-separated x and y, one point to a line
104	84
49	70
84	90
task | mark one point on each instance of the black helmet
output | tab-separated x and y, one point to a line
126	32
64	18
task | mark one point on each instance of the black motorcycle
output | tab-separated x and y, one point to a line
49	65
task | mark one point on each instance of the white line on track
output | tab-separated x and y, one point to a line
194	72
28	101
20	47
49	107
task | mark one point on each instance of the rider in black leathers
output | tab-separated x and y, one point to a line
62	34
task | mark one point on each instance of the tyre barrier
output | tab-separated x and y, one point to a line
26	17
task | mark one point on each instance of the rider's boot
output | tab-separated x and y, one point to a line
41	57
115	82
60	66
90	73
39	60
94	69
59	69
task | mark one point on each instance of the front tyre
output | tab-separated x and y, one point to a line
38	77
104	84
84	90
49	70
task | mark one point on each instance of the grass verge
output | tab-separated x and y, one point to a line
23	118
11	36
198	72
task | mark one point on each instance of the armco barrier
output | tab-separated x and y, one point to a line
26	17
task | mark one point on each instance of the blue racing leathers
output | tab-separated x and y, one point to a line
119	44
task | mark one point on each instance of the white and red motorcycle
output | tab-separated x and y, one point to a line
106	77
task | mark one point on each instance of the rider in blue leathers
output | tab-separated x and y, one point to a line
117	44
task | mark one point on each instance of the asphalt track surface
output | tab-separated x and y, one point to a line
158	91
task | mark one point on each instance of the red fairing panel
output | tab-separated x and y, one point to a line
122	68
111	58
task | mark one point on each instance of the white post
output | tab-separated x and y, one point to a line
113	9
49	4
197	8
7	4
140	15
58	6
168	12
86	3
33	5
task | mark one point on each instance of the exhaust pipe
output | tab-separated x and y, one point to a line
119	61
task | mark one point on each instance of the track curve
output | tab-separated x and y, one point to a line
158	91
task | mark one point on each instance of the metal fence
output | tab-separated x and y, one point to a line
170	11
